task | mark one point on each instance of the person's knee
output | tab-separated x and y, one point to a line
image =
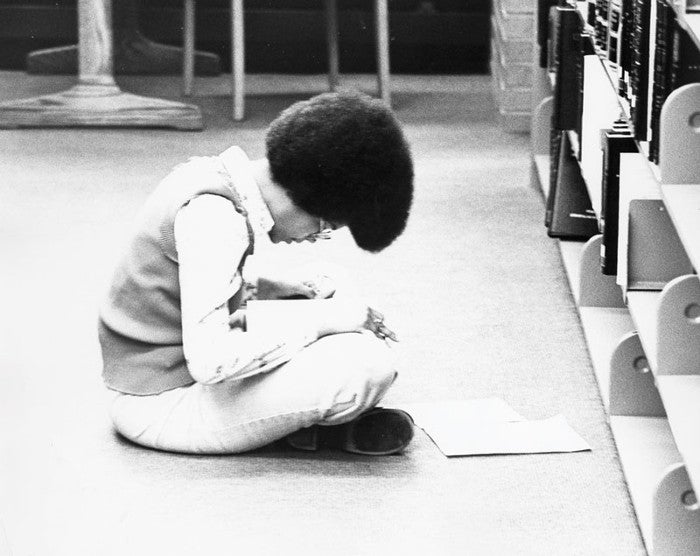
377	371
361	355
357	376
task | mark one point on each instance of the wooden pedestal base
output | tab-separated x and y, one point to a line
97	105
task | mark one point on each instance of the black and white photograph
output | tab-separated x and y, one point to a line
349	277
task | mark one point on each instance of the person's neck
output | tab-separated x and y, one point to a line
274	195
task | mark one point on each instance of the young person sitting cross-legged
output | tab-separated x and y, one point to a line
186	374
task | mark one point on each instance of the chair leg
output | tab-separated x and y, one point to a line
237	59
381	26
332	40
188	48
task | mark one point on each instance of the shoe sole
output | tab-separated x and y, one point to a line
379	432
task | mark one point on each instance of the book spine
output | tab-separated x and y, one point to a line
615	142
685	64
590	13
626	39
639	75
555	138
614	25
663	62
543	9
567	86
601	24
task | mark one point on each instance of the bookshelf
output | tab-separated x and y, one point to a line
642	321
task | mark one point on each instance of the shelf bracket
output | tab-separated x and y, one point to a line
632	388
676	515
679	141
655	254
596	289
569	211
679	327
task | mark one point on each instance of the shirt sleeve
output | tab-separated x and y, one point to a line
211	238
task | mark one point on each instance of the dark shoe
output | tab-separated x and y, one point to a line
378	432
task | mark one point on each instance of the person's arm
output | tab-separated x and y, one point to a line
211	237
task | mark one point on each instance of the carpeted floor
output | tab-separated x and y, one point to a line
474	288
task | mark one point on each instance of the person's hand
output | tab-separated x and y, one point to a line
298	283
352	315
375	324
238	320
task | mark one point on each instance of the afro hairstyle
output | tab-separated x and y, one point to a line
342	157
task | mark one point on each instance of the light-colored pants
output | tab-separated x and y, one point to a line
331	381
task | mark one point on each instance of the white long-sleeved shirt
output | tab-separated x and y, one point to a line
211	237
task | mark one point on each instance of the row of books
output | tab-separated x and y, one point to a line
569	213
648	54
561	35
645	47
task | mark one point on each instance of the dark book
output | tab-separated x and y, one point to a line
543	29
601	25
662	71
614	26
587	48
685	67
626	38
568	69
553	36
676	63
590	13
639	74
555	136
571	213
614	142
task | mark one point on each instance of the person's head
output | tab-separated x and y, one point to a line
343	158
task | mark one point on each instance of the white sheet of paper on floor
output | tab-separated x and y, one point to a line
489	427
516	437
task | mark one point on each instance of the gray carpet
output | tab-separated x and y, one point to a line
474	288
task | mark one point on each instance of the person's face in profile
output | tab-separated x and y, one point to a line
297	226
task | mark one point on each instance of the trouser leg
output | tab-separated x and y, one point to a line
330	382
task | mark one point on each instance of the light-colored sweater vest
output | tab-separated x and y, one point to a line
140	321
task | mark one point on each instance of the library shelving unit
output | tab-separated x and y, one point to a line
642	325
